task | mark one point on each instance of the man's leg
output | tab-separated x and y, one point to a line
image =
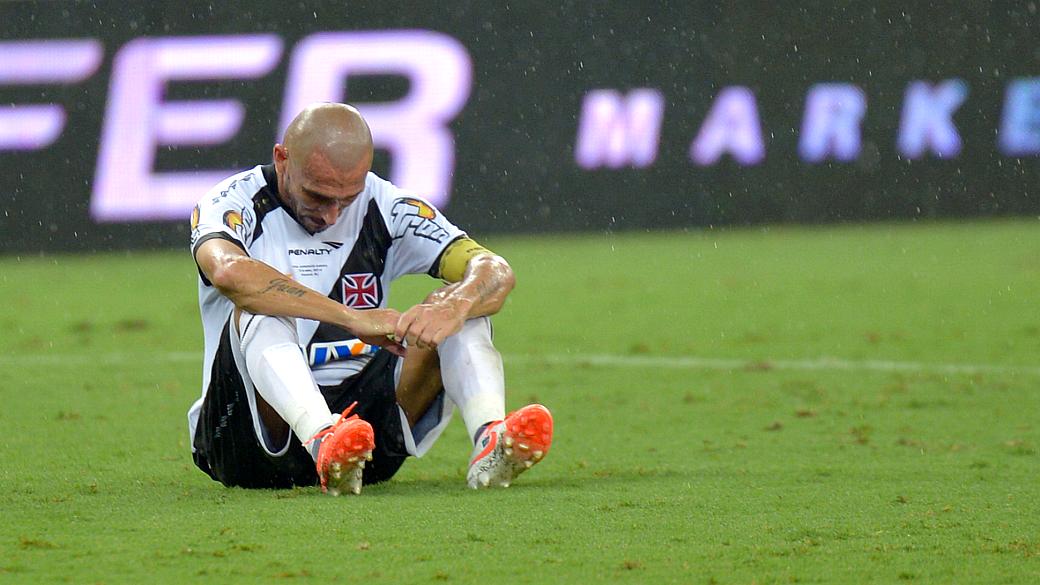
229	442
469	369
474	379
287	397
419	384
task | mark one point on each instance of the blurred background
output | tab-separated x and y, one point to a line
524	117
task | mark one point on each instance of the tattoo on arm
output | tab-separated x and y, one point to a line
284	285
484	290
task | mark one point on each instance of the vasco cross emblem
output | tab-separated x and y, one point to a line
361	291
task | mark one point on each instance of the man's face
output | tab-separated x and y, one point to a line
316	190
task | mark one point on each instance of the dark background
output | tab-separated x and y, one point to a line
533	64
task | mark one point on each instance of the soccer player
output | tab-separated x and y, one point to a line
295	261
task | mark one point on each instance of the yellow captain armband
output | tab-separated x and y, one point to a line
455	258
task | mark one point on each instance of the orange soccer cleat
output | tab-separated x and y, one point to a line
344	449
510	447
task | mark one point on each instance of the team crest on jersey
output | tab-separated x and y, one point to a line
361	290
195	217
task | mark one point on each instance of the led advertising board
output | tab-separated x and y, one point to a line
522	118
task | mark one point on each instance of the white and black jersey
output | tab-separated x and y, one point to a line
385	233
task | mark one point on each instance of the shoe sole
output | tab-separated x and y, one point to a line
345	477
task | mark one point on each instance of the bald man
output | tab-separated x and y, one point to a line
307	377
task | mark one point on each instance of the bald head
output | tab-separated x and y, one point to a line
334	131
322	163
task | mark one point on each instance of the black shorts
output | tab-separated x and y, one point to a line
227	448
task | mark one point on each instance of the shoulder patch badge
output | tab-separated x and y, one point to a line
233	220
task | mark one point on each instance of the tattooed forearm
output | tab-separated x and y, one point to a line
485	290
285	286
493	281
482	290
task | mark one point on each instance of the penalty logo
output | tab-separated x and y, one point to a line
361	291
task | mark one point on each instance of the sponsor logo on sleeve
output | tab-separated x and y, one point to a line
195	234
417	217
361	290
422	209
233	220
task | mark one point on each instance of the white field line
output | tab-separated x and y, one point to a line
573	359
820	363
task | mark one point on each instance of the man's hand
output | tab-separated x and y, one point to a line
482	291
376	327
428	324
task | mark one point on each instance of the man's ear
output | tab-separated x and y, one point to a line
280	155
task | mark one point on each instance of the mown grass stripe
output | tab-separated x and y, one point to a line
823	363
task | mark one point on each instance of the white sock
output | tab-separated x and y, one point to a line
281	374
471	369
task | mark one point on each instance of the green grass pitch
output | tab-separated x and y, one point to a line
786	405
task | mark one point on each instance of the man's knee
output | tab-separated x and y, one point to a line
271	328
476	330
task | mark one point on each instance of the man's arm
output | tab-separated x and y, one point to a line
257	287
485	284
